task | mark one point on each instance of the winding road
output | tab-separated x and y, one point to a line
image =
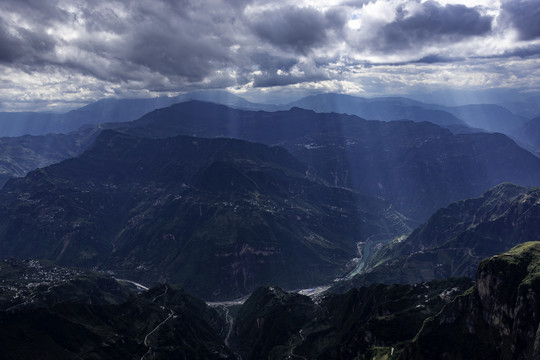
171	314
311	292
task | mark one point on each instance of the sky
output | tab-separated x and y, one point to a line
60	54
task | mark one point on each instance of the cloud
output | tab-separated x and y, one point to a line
433	59
121	41
523	15
532	50
17	43
296	28
301	72
59	49
430	23
35	12
10	47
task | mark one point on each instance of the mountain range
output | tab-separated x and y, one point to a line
459	119
385	109
218	216
418	167
464	118
183	209
14	124
347	238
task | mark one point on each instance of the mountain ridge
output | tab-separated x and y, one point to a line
418	167
379	108
384	153
220	219
456	238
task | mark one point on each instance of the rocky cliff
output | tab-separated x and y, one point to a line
497	319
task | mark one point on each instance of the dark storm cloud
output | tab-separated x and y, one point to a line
524	16
175	51
527	51
172	41
17	43
268	79
434	23
30	46
177	41
10	47
37	11
299	29
434	59
271	63
239	4
104	20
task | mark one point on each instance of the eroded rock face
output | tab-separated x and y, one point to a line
499	318
509	290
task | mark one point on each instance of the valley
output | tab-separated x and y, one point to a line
214	232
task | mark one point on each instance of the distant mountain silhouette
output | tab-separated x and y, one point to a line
530	134
457	118
418	167
383	108
22	154
486	116
108	110
105	110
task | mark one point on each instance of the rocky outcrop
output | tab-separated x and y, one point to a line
498	319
